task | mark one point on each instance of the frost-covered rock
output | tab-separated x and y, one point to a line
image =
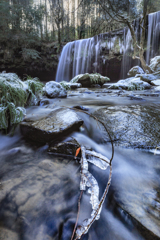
150	77
54	90
69	85
155	64
135	70
131	84
55	124
157	89
156	82
88	80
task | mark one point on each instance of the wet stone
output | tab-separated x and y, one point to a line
56	124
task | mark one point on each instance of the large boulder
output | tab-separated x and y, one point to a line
155	64
54	89
135	70
89	80
131	84
55	124
150	77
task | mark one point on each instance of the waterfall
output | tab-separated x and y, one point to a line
98	54
153	38
76	58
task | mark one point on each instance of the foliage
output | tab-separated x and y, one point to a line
14	95
30	54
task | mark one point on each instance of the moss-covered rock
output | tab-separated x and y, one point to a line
88	80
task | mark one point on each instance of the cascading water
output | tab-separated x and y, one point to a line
94	54
153	38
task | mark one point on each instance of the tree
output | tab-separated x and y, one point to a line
123	12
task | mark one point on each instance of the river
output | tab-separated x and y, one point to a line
39	191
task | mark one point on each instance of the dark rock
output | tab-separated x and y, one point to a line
67	148
56	124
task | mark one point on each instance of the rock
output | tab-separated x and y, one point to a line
156	82
131	84
54	89
43	102
7	234
150	77
157	89
135	70
106	85
75	85
67	148
133	97
54	125
88	80
130	126
155	64
68	85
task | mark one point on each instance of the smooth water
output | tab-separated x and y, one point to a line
39	192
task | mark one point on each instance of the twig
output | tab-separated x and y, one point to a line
79	204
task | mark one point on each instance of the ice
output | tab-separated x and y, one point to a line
97	159
87	180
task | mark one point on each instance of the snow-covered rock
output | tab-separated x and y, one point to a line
156	82
150	77
131	84
54	90
155	64
135	70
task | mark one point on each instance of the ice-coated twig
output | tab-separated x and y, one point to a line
83	229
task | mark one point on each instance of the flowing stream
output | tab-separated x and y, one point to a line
39	191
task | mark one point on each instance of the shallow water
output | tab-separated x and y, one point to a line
39	191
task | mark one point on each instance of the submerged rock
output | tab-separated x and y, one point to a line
135	70
55	124
131	84
88	80
155	64
54	89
